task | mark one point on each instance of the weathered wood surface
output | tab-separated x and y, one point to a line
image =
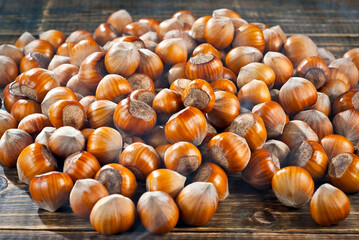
332	24
247	213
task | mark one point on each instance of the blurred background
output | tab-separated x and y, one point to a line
331	24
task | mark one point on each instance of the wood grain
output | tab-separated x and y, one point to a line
44	235
328	22
247	213
235	214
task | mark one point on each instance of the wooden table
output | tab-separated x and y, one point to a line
247	213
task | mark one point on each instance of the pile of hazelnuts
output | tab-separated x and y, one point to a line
178	105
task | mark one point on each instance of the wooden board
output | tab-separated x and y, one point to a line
332	24
247	213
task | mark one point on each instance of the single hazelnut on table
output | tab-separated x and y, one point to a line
23	40
113	214
249	35
311	156
51	190
141	81
197	203
298	47
134	117
166	103
41	46
238	57
183	157
279	149
122	59
12	143
37	82
92	70
210	172
12	52
81	165
204	66
329	205
11	94
296	94
293	186
84	195
113	87
67	113
188	125
165	180
34	60
229	151
335	144
82	50
34	123
251	127
199	94
54	95
317	121
100	113
281	65
313	69
66	141
158	212
105	144
260	169
57	61
117	179
273	116
141	159
226	108
295	132
343	172
7	121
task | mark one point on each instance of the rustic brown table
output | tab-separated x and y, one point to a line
247	213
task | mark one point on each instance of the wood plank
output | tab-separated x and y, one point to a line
332	25
235	214
9	234
294	16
